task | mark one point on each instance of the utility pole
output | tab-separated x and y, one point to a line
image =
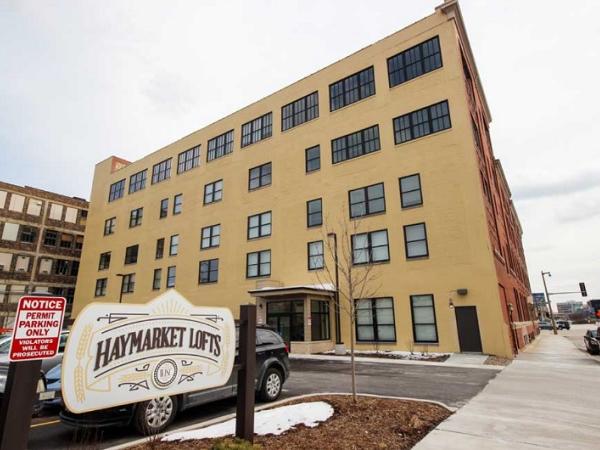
548	300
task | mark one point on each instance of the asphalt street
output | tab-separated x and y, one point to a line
449	385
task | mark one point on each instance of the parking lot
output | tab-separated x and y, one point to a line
450	385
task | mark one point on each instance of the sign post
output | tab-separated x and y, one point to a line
244	417
36	336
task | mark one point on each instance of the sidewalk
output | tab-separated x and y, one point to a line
549	397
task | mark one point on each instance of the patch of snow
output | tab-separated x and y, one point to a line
322	287
399	353
271	421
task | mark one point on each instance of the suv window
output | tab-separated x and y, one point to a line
267	337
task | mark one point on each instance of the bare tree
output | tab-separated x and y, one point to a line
355	281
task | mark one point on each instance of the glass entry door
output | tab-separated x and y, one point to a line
287	318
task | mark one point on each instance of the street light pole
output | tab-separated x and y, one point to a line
548	300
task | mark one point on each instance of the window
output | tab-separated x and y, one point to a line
300	111
313	158
74	268
101	287
160	248
79	242
211	236
367	200
259	225
375	320
135	217
209	271
257	129
137	181
370	247
415	240
51	237
109	226
66	240
259	176
115	192
156	278
352	89
422	122
410	191
161	171
258	264
188	160
104	262
423	318
319	314
131	254
164	208
171	274
177	204
28	234
414	62
220	146
355	144
213	192
315	255
61	267
314	213
174	245
128	283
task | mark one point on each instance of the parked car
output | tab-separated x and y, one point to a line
563	325
272	370
592	341
47	364
545	325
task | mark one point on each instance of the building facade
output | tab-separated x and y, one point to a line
41	237
569	307
387	152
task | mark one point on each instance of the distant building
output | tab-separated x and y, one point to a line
41	236
570	307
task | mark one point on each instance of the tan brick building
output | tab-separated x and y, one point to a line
41	237
394	136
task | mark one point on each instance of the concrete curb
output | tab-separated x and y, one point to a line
226	417
394	361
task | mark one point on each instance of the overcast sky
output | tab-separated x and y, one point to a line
82	80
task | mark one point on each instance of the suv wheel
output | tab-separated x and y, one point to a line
153	416
272	384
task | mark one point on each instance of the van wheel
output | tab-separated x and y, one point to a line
271	387
153	416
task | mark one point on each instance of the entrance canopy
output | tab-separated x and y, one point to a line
326	289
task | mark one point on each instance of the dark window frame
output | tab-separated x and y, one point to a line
321	316
212	235
342	153
159	252
51	241
375	323
369	247
253	133
208	268
137	181
116	190
109	226
418	175
135	217
100	288
128	283
406	242
410	52
176	246
161	171
412	315
260	225
299	111
177	204
131	258
164	208
343	91
261	176
156	280
405	125
171	277
188	159
259	263
309	255
308	160
213	192
104	261
220	146
366	201
309	214
27	234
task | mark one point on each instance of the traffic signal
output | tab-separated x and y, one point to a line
582	289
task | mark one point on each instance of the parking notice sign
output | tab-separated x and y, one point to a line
36	333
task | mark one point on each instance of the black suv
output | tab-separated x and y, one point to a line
153	416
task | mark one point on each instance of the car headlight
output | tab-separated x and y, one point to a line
41	387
